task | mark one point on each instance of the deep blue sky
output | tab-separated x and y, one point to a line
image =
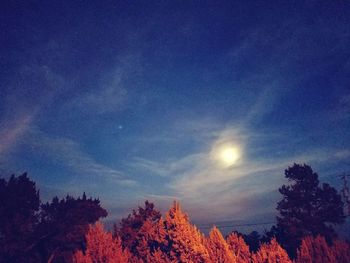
126	100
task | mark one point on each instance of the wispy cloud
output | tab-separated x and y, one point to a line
342	112
154	167
68	153
12	130
109	97
265	101
24	103
110	93
166	168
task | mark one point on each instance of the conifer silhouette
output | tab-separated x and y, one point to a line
218	249
306	208
186	243
271	253
315	249
101	247
341	250
238	247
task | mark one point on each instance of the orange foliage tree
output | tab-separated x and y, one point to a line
271	253
186	243
151	242
239	248
101	247
130	227
341	250
218	249
316	249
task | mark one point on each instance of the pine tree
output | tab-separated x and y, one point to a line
151	242
341	251
130	226
160	257
315	250
64	224
239	248
306	208
271	253
218	249
101	248
186	243
19	206
252	240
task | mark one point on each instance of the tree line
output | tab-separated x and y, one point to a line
69	230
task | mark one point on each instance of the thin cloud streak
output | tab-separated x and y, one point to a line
12	131
68	153
110	97
111	93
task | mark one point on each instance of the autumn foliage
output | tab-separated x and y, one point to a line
175	239
271	252
185	241
102	247
218	248
239	248
316	249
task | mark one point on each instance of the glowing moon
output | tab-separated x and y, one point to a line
229	155
226	154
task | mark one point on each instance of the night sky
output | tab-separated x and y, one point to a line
132	100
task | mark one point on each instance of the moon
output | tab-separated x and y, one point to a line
226	155
229	155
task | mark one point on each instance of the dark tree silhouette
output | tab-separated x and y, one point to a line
252	240
19	205
130	226
306	208
63	226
